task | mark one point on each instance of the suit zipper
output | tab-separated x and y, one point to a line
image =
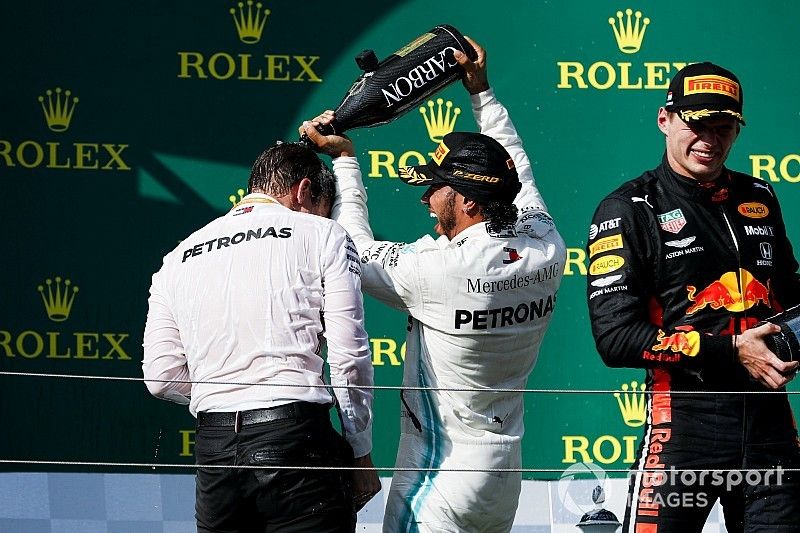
737	326
737	323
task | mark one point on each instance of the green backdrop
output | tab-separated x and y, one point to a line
168	105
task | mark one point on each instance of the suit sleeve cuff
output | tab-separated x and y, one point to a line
716	350
481	99
360	442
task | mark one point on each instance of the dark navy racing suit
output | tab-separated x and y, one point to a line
676	267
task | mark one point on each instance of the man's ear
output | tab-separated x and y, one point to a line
300	192
470	207
663	120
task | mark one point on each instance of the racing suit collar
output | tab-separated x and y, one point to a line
710	192
259	195
259	198
464	234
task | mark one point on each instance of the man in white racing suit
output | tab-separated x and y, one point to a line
480	298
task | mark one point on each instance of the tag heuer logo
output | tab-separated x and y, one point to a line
673	221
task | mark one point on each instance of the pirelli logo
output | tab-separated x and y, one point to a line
711	84
612	242
441	151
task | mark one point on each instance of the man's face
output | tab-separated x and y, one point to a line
698	149
441	202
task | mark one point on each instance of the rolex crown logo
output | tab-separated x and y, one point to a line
630	33
233	199
58	108
632	403
439	122
249	21
57	299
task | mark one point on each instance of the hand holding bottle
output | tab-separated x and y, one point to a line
474	78
332	144
388	89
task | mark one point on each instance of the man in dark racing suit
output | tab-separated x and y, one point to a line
685	261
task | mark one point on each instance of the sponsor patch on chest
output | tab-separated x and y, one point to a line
672	221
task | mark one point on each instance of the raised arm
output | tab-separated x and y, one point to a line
386	273
493	120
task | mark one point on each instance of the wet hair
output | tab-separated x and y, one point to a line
282	165
499	215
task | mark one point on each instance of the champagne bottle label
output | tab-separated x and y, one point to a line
400	82
416	43
358	85
405	85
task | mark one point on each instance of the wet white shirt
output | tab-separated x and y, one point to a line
242	308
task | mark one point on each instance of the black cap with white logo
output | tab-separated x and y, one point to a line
473	164
704	90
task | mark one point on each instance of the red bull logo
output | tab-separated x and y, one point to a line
686	342
730	292
756	292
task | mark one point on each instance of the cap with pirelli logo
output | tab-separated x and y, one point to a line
473	164
704	90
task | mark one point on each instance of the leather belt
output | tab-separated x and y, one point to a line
238	419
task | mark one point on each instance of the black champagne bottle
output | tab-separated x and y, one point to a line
388	89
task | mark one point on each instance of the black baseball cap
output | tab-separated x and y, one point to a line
473	164
704	90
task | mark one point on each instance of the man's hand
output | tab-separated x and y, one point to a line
332	145
761	363
474	71
365	482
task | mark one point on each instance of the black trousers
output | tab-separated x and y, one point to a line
236	500
752	435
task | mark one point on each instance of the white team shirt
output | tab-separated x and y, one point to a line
240	309
480	304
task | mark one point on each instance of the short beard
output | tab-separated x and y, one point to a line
447	218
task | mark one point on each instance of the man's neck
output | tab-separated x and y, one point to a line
285	200
464	222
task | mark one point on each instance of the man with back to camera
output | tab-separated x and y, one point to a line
685	261
238	316
480	298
